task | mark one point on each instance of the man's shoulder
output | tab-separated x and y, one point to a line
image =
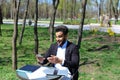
71	44
54	44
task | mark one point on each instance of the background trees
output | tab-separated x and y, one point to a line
23	54
67	9
1	17
16	5
51	26
84	2
35	27
1	22
24	21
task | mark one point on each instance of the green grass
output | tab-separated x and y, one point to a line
101	64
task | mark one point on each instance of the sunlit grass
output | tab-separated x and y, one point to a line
100	64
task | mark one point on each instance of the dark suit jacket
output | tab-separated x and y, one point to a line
71	57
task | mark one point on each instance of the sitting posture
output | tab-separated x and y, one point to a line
63	52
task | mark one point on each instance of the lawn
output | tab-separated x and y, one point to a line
99	53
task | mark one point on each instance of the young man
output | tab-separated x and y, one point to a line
63	52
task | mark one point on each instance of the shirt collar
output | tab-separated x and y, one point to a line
64	45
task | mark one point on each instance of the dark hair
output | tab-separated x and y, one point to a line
62	28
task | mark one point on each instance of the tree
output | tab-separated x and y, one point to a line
31	10
99	9
6	8
115	9
15	34
24	22
61	8
51	25
73	5
1	17
1	21
110	10
47	10
74	8
35	28
80	30
64	10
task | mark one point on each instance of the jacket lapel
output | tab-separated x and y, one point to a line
55	49
67	49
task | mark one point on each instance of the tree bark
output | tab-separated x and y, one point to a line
115	10
72	11
110	10
1	20
80	30
0	30
35	28
64	10
98	14
51	25
15	34
47	10
1	17
24	22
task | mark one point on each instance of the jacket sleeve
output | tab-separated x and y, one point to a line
51	51
47	54
72	57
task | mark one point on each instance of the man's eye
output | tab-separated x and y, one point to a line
59	36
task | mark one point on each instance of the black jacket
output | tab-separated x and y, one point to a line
71	57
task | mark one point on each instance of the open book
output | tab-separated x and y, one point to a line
32	72
30	68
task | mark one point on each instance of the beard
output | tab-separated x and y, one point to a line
60	43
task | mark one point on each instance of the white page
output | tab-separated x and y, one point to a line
42	72
37	75
63	70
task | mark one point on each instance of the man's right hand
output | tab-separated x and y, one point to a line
39	58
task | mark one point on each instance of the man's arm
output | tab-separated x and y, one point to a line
72	58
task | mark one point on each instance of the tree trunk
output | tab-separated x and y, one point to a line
24	22
115	10
35	28
71	11
100	9
51	25
98	14
80	30
15	34
0	30
1	20
1	17
47	10
110	13
74	9
64	10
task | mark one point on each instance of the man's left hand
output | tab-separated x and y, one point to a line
54	59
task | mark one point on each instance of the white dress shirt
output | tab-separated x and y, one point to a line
61	52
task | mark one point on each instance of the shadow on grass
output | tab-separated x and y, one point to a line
5	61
104	47
86	61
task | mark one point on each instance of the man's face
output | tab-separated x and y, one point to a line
60	38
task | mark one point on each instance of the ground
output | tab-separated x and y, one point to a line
91	66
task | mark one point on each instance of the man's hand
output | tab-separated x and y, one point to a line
54	59
39	58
